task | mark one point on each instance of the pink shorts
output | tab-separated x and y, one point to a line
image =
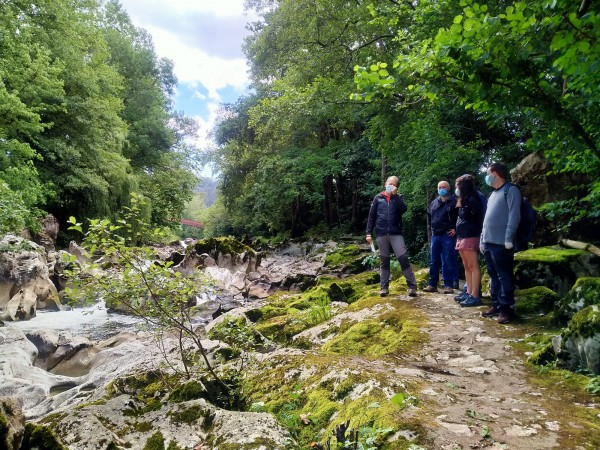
471	243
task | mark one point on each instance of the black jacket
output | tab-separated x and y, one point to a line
470	218
384	217
442	215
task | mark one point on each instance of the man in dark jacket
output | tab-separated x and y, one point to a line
442	215
385	217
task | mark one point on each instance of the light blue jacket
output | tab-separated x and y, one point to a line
502	216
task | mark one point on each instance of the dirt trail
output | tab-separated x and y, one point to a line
474	391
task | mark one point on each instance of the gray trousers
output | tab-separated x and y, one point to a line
394	242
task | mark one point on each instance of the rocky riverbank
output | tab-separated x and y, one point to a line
321	359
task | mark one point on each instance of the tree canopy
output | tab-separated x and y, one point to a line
345	93
86	114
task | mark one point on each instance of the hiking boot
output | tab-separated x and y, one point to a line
461	297
384	292
430	289
506	317
412	292
470	301
492	312
448	290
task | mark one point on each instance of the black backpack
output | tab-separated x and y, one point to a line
527	224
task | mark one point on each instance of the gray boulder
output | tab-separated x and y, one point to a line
25	266
578	346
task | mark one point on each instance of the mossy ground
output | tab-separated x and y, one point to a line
313	393
566	391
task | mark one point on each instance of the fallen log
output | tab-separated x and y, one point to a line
581	246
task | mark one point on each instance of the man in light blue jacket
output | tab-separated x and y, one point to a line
500	225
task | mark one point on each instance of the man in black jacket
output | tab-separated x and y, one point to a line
442	215
385	217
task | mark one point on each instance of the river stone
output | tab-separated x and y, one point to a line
586	292
191	424
22	306
19	376
46	342
554	267
579	344
25	268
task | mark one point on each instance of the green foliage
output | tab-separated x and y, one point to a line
137	284
594	385
85	114
530	63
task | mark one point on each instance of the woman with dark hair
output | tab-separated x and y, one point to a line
468	231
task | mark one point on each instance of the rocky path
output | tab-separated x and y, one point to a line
474	392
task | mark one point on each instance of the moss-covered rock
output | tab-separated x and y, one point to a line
155	442
40	437
238	333
556	268
12	423
538	299
228	248
543	356
313	394
347	259
579	343
391	332
586	292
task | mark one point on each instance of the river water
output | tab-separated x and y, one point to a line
93	322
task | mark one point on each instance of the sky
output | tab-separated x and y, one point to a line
203	38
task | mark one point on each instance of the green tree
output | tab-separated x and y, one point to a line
528	65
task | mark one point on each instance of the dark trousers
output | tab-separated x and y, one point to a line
443	254
500	265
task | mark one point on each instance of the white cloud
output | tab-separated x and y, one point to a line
203	38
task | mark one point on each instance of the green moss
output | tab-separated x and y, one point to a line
223	245
143	426
347	258
585	292
586	323
374	338
173	446
188	415
342	255
549	254
236	333
3	429
537	299
543	356
155	442
310	406
40	437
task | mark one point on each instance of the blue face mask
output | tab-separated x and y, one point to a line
489	179
443	192
389	188
457	192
